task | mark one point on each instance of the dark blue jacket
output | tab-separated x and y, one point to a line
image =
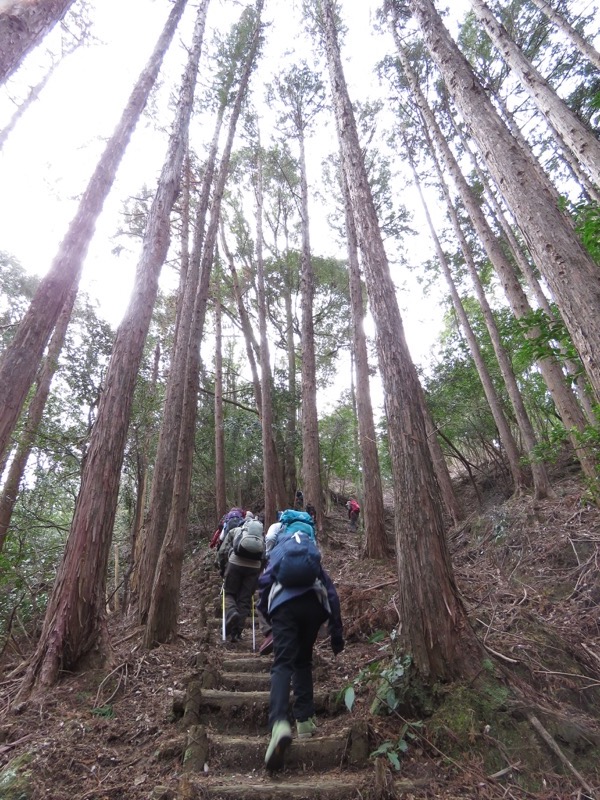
326	593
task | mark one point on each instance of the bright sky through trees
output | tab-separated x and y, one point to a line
49	157
47	160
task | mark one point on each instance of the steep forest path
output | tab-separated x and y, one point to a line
226	709
188	720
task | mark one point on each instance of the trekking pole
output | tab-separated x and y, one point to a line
253	628
223	606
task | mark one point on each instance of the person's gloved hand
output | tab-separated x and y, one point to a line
337	644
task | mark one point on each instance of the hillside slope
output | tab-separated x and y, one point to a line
529	576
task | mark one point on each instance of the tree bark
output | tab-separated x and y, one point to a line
23	26
569	32
22	357
161	490
161	625
270	465
220	487
376	540
580	141
35	413
75	618
562	395
573	277
434	626
311	461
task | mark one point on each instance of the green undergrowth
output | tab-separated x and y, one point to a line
480	724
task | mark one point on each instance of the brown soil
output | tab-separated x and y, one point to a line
529	576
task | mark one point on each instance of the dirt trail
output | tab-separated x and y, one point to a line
227	702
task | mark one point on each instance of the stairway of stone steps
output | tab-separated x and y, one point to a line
226	718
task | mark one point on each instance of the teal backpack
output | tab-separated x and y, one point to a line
293	521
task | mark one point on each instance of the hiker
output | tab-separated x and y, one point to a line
299	500
353	512
296	612
288	522
232	519
241	558
216	537
312	511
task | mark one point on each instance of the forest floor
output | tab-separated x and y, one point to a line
528	573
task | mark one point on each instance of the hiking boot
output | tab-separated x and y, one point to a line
281	738
267	645
307	728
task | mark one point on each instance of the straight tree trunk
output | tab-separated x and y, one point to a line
506	437
376	540
311	461
161	625
161	490
569	32
579	139
291	431
562	395
252	347
571	274
220	488
269	464
453	507
132	574
10	490
23	25
22	357
434	625
75	618
527	272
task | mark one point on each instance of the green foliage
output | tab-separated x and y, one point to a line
338	444
587	221
105	712
17	288
393	750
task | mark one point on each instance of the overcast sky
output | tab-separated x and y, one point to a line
47	161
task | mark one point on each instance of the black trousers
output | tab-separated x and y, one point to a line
240	585
295	625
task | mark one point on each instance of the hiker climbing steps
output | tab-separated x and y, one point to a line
227	708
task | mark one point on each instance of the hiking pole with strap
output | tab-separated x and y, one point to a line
253	628
223	606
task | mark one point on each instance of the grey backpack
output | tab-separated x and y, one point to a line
249	542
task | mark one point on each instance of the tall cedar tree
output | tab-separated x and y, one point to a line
161	625
23	26
375	540
579	139
562	394
435	629
74	624
301	92
21	359
570	272
156	515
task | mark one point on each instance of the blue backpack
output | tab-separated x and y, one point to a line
293	521
296	560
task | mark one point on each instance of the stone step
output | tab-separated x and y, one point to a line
246	681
